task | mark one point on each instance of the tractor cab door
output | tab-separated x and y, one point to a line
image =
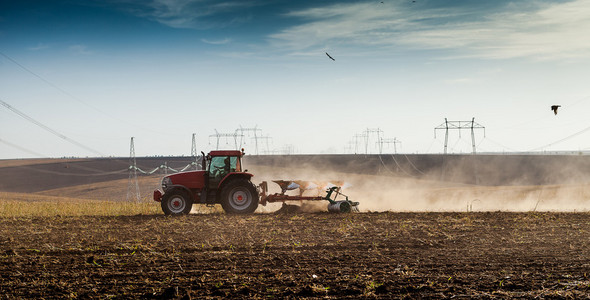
219	167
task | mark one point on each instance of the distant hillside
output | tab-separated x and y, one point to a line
59	173
481	169
29	176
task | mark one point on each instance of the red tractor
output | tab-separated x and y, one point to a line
222	182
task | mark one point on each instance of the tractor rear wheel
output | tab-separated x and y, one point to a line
239	197
177	203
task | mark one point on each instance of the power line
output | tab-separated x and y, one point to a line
233	135
561	140
51	83
367	134
265	138
251	129
132	182
393	141
74	97
22	148
459	125
26	117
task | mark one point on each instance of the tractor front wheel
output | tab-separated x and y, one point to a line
177	203
239	197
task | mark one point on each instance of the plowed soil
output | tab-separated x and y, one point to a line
317	255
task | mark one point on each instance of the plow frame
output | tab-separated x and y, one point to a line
282	197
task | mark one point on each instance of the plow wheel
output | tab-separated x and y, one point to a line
177	203
239	197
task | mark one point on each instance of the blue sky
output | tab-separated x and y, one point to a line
99	72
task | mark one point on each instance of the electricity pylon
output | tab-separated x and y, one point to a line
256	137
472	125
234	135
194	153
132	183
393	141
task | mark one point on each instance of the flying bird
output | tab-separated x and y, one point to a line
330	56
554	108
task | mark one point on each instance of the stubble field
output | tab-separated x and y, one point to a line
413	238
317	255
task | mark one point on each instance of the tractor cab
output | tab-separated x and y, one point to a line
219	164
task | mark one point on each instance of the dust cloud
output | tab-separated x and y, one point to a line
385	192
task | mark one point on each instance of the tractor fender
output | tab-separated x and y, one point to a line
177	187
233	175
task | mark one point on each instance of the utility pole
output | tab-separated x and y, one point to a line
132	182
471	125
357	138
194	146
265	138
393	141
194	152
234	135
252	129
458	125
368	132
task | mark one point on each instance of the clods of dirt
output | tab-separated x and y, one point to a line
363	255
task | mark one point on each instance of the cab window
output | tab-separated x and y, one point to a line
222	165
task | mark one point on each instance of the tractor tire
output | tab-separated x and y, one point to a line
239	197
177	203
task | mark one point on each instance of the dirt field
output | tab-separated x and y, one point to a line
381	255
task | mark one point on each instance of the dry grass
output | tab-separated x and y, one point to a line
115	190
33	205
102	208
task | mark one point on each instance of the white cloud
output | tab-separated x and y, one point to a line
542	31
39	46
554	32
216	42
191	13
360	23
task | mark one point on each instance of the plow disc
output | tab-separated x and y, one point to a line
332	190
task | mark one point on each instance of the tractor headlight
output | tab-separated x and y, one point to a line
166	181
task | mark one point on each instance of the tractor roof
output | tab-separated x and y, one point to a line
225	153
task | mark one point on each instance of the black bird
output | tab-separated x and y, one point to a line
330	56
554	108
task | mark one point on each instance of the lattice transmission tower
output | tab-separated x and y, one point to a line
266	139
393	141
194	155
233	135
458	125
357	140
132	182
255	130
367	135
194	146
